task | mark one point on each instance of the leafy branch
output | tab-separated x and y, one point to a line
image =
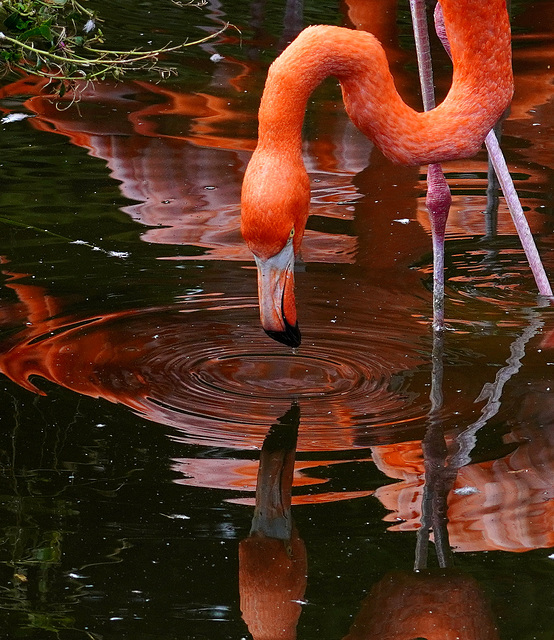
61	40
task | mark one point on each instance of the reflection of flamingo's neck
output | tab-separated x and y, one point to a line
482	87
272	560
272	516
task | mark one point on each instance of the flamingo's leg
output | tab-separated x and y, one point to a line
438	199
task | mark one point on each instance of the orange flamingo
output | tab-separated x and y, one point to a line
276	189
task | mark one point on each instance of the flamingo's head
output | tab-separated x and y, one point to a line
275	206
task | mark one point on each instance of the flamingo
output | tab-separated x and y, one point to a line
276	189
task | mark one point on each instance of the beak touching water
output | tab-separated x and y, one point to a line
276	296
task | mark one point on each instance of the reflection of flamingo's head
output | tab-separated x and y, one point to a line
275	206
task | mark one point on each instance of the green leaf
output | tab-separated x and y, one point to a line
13	21
38	32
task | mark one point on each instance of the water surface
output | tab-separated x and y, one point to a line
138	387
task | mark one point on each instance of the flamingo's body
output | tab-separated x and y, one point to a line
276	190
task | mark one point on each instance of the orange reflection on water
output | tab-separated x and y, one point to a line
172	153
510	502
434	606
505	504
273	572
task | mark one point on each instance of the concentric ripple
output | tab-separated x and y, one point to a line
206	368
296	375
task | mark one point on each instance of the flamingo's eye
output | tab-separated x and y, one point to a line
291	234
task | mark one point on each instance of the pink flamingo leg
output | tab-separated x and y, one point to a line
438	202
438	199
516	211
423	51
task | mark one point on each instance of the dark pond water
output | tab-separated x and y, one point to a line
138	387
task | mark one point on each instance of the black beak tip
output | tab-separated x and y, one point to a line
290	336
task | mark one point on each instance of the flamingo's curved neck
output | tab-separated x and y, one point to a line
479	36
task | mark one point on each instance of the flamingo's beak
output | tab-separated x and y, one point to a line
276	296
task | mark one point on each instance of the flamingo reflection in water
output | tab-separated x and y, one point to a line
116	358
272	560
436	605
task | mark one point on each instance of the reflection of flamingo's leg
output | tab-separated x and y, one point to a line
492	391
422	543
439	479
